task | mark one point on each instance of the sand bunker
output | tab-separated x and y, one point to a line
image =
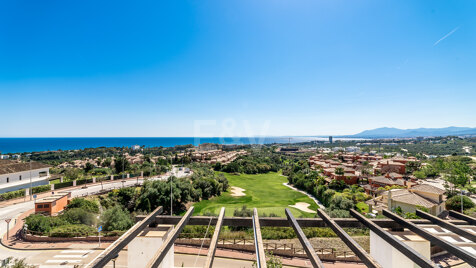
237	191
303	206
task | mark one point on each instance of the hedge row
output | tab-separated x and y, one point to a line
12	194
21	192
40	189
76	230
63	184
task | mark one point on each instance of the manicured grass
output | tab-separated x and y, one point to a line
263	191
362	207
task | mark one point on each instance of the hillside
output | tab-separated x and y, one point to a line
387	132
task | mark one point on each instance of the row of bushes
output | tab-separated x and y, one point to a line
79	219
63	184
21	193
40	189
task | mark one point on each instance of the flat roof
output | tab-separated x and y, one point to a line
159	231
11	166
49	199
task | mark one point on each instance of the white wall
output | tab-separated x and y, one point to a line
389	257
15	183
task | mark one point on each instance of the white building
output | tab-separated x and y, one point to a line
409	200
352	149
15	175
135	147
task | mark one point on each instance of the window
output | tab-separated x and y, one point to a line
39	206
47	206
43	174
8	179
20	177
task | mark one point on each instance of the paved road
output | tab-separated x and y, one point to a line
39	257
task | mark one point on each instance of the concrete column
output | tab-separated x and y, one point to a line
27	191
74	183
142	174
145	245
94	179
388	256
61	179
112	177
52	187
128	175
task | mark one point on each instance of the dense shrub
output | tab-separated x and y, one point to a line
40	189
454	203
63	184
79	216
116	218
76	230
340	202
113	233
12	194
243	212
85	204
338	213
43	224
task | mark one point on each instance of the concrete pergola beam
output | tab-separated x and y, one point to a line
113	250
458	252
260	255
354	246
394	242
447	225
164	249
311	253
214	241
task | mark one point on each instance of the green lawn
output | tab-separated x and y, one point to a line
263	191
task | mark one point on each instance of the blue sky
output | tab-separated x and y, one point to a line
234	68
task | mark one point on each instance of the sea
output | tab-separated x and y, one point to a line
22	145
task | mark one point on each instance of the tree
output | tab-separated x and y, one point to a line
456	179
338	201
79	216
73	174
116	219
107	162
355	193
412	166
454	203
88	167
339	171
121	164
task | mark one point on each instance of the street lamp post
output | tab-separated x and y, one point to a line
462	193
31	183
171	176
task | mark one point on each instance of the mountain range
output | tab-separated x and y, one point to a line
389	132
